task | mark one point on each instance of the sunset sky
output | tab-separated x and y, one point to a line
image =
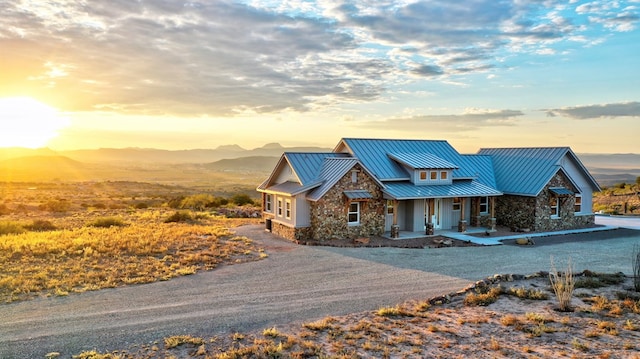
181	75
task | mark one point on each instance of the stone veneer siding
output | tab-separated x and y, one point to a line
535	212
329	214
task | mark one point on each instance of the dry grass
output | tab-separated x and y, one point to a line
130	248
510	327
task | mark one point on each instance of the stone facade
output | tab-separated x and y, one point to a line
329	214
535	213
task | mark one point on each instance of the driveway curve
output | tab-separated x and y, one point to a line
294	284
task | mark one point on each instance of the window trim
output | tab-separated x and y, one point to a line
268	203
554	209
433	175
287	208
456	204
422	175
444	175
356	212
390	207
576	204
484	202
279	207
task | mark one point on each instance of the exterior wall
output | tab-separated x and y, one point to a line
535	213
301	211
329	214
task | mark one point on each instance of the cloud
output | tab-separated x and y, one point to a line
224	58
612	110
471	119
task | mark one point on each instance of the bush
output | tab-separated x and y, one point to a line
241	199
483	298
106	222
179	216
198	202
4	209
635	263
56	206
563	285
8	227
41	225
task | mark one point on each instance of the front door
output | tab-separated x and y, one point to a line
388	219
434	213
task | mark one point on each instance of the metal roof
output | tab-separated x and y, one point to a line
373	155
332	170
307	165
358	194
525	171
291	188
422	161
483	166
561	191
460	188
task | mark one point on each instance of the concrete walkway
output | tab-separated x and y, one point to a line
492	241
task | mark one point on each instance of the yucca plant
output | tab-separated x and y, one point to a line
563	285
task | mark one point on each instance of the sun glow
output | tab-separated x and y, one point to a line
25	122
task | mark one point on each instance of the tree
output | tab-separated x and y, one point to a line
241	199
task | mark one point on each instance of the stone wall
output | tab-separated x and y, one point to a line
535	212
329	214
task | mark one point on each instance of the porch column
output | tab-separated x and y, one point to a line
493	214
475	212
429	225
462	224
395	228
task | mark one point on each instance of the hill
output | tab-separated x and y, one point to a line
251	163
42	168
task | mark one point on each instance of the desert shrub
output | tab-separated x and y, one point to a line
241	199
4	209
141	205
598	280
106	222
10	227
198	202
175	202
179	216
635	264
524	293
99	205
563	285
55	205
483	298
41	225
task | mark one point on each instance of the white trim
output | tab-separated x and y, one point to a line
356	212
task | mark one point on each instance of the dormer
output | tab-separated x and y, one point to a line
425	168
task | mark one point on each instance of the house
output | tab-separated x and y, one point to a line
367	187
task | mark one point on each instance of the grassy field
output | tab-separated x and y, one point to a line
58	238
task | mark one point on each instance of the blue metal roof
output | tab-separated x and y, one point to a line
358	194
373	153
461	188
307	165
483	166
525	171
422	161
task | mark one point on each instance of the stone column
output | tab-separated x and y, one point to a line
395	231
429	231
493	214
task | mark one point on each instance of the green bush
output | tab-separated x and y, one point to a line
179	216
106	222
41	225
241	199
56	205
9	227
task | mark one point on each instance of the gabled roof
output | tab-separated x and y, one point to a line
483	166
526	171
373	153
462	188
305	166
332	170
421	161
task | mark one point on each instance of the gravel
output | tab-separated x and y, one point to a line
294	284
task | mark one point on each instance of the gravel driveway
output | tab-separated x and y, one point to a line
294	284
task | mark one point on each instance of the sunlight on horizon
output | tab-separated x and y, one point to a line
26	122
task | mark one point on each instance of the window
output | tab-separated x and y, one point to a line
279	208
390	207
578	204
354	176
456	203
354	213
443	175
267	203
484	205
423	175
553	205
287	209
434	175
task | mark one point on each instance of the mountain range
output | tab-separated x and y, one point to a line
608	169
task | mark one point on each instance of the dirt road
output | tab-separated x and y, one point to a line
294	284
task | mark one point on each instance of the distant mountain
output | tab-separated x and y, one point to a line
251	163
147	155
41	168
17	152
610	161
